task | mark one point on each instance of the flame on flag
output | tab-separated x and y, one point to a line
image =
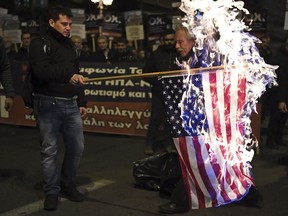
210	112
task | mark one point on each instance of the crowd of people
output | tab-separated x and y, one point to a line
118	50
59	100
275	100
13	52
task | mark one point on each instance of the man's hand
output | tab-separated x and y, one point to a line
9	103
83	111
77	80
283	107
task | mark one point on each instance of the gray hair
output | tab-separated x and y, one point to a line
181	27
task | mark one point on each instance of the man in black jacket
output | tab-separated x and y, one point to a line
6	77
23	52
59	105
161	60
123	52
103	53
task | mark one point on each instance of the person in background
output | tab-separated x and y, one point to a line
103	53
59	104
86	48
82	54
123	53
161	60
23	52
283	106
264	49
278	117
9	48
142	55
131	45
6	78
266	53
77	41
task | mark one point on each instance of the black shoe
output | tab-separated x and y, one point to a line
72	194
51	202
253	199
172	208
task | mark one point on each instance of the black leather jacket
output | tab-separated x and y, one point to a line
53	62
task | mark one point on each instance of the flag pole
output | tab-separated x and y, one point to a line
155	74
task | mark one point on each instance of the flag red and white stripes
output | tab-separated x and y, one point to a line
214	164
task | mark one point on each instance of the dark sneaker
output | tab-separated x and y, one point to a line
72	194
253	199
51	202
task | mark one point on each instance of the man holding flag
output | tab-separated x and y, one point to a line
209	108
184	45
198	108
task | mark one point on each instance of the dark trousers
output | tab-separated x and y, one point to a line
158	118
179	194
276	125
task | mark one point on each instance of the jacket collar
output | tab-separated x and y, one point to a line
58	36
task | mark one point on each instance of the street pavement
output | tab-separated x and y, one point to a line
105	175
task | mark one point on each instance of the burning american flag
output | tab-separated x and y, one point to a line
209	141
210	112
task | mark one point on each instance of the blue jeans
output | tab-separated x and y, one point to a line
55	116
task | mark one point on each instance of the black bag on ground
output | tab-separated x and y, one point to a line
159	172
27	90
